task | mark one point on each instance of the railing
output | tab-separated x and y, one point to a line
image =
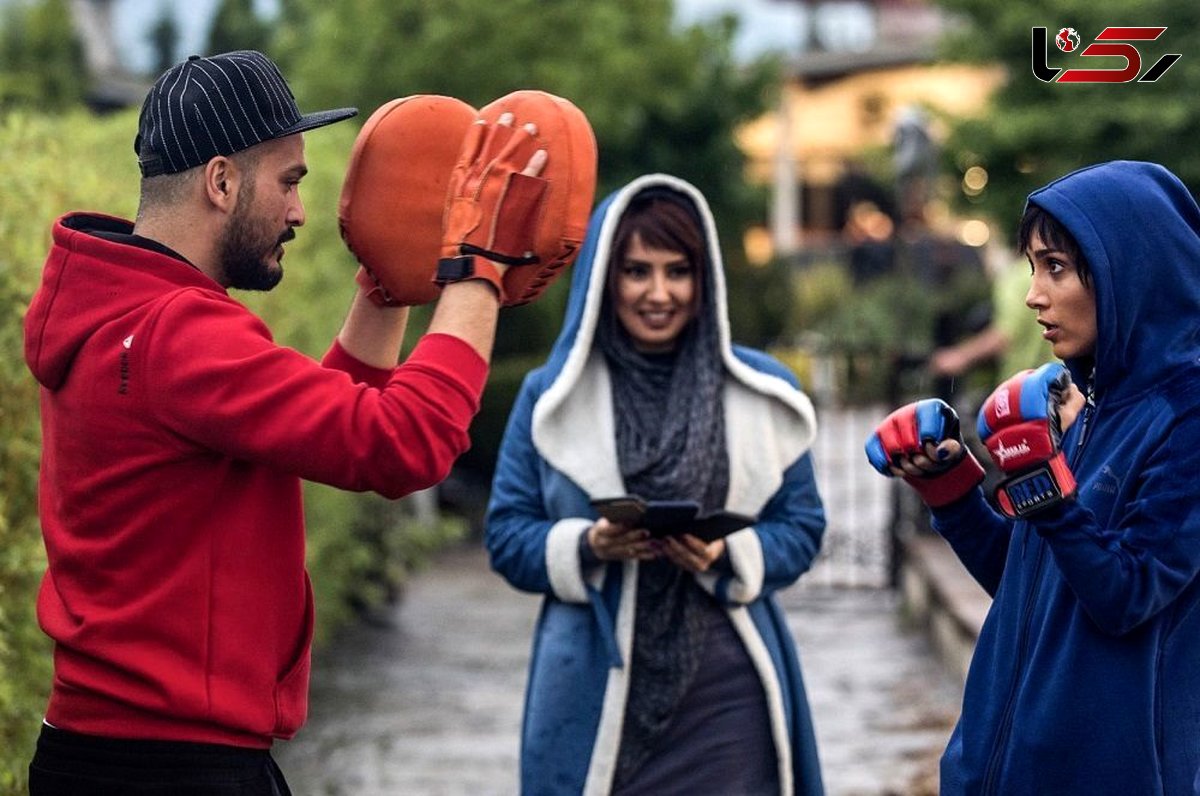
857	551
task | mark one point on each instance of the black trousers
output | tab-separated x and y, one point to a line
87	765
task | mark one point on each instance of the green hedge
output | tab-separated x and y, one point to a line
360	546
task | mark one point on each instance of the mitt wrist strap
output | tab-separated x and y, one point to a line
467	266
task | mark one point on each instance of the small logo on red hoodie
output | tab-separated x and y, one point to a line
126	344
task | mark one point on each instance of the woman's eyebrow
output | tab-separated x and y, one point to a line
636	261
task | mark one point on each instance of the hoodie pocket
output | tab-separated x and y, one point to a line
291	692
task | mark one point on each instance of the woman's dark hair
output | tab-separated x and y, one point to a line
663	219
1054	234
663	222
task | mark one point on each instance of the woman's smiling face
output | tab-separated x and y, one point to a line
654	295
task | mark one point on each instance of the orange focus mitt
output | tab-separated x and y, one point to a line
495	214
393	195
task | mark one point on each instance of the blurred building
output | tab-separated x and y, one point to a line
868	83
111	86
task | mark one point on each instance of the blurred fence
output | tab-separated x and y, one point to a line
858	546
868	319
866	514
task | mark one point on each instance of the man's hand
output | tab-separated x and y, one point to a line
493	203
556	235
468	307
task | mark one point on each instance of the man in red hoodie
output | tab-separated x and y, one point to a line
176	434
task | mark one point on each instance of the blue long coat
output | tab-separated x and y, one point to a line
559	452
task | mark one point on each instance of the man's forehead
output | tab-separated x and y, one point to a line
284	153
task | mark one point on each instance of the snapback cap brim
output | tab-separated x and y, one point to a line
311	121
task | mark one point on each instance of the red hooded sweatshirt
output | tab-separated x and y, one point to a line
175	437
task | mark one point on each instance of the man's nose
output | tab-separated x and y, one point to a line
295	216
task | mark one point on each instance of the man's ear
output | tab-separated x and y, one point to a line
222	180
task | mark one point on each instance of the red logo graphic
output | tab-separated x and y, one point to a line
1067	40
1002	407
1112	42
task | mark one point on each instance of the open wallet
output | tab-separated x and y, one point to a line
671	517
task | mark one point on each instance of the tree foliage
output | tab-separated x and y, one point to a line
163	37
236	26
1037	131
49	167
41	58
659	98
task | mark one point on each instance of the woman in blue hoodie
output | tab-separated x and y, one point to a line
660	665
1085	675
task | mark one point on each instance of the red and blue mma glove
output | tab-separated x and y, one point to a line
905	433
1019	423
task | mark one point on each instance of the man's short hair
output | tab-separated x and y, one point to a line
167	190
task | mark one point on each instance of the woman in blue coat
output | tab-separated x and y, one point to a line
1086	675
659	664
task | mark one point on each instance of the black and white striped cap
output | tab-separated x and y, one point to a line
218	105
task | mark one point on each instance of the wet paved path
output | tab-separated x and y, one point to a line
432	705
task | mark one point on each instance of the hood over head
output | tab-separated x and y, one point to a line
590	275
574	388
89	282
1138	226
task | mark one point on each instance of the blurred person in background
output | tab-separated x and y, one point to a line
1009	341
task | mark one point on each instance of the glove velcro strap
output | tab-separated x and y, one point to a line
527	259
460	269
1030	492
944	488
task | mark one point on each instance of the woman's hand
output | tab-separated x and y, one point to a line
692	553
612	541
1072	404
934	459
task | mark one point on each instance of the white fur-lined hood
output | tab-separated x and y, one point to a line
761	444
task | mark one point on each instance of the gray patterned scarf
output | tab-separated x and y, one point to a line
670	434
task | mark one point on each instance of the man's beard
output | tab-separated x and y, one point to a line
244	249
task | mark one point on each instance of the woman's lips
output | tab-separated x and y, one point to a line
656	318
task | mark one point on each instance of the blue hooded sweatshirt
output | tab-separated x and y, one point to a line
559	452
1086	675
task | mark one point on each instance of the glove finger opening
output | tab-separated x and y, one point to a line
468	156
498	138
